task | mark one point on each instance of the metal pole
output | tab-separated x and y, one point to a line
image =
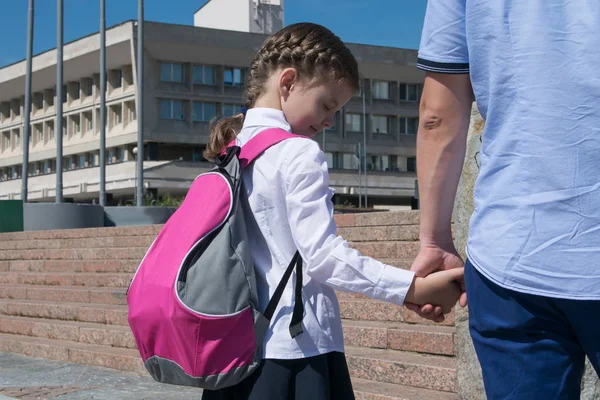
140	108
365	149
324	131
359	175
27	119
59	104
103	103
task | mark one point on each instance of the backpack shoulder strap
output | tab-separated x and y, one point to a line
261	142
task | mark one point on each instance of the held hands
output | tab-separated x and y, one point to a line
439	288
431	260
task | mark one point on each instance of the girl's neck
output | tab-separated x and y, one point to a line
267	101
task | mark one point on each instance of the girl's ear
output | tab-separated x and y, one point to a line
287	78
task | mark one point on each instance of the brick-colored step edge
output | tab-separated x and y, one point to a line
83	332
373	310
143	230
104	253
342	220
73	294
79	243
400	336
390	366
371	390
57	279
351	234
379	233
80	353
378	218
49	266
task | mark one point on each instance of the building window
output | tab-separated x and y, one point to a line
409	92
353	122
409	126
381	90
92	159
82	161
122	153
380	163
171	72
15	108
17	139
117	112
229	110
39	128
89	123
50	130
47	167
349	161
38	101
64	94
117	80
50	94
76	91
111	156
172	109
204	111
64	127
76	123
5	110
88	87
411	164
204	75
380	124
131	109
233	76
7	145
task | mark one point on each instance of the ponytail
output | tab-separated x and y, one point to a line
222	132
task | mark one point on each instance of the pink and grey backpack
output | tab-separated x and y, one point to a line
193	303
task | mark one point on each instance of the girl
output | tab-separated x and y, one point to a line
300	77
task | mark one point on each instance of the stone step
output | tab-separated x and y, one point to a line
380	233
396	367
75	352
75	331
83	312
73	294
373	310
102	266
79	243
113	279
372	390
398	249
378	219
106	253
400	336
126	231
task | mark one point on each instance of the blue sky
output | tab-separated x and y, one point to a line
395	23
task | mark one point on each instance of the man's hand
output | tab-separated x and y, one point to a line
432	258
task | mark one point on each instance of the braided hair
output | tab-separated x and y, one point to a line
311	49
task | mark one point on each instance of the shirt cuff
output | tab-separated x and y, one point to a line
442	67
393	284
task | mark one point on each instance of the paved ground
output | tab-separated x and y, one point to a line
29	378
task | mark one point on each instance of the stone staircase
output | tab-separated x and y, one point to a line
62	297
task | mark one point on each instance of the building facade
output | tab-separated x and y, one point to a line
192	75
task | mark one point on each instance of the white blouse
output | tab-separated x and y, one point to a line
289	195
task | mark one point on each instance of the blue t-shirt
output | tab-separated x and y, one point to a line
535	70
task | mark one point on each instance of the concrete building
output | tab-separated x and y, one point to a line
252	16
192	75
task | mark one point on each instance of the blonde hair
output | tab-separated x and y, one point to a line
311	49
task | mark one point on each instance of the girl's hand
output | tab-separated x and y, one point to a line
441	288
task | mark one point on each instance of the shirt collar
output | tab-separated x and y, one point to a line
267	117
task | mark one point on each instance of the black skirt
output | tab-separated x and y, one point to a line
323	377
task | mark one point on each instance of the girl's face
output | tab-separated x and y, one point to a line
308	107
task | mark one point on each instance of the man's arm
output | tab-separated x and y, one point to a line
441	144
